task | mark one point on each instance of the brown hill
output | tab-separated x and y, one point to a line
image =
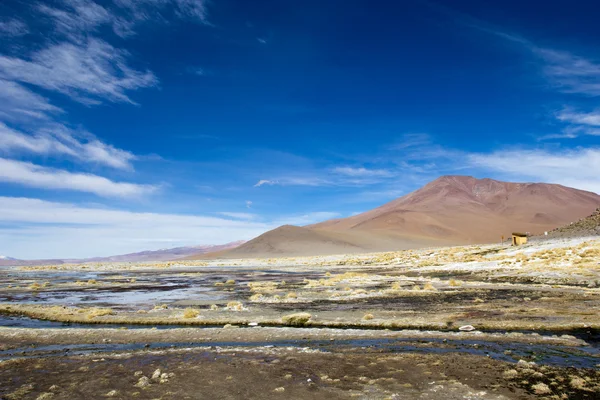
463	209
449	210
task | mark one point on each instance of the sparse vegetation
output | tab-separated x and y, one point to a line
191	313
298	319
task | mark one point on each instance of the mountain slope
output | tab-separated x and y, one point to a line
464	209
450	210
165	254
289	240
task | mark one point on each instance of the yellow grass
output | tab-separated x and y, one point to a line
191	313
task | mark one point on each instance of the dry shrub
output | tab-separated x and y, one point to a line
454	282
235	306
368	317
98	312
298	319
541	389
262	286
510	374
292	295
256	297
577	382
191	313
429	286
230	282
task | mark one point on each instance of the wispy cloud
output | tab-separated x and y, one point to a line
265	182
139	11
362	172
568	72
89	72
295	181
12	28
575	168
77	18
28	174
19	104
59	140
410	140
239	215
580	118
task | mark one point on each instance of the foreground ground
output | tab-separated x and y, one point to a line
537	303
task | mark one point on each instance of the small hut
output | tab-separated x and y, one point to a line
519	238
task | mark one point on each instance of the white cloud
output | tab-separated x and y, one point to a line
248	204
239	215
576	168
363	172
77	16
265	182
570	73
27	174
574	117
65	230
13	27
88	72
139	11
195	9
18	103
58	139
61	230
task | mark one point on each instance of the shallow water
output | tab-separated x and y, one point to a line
577	357
150	287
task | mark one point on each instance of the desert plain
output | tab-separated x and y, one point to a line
468	322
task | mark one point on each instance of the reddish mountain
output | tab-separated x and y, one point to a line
449	210
463	209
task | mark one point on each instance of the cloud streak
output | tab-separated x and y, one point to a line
28	174
13	28
59	140
575	168
89	72
362	172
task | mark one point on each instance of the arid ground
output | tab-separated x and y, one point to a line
471	322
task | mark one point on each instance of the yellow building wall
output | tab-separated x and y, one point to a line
517	240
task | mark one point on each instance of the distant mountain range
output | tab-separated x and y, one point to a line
155	255
451	210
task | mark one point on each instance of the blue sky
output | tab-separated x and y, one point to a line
131	125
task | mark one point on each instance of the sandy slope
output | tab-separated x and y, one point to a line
449	210
291	240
